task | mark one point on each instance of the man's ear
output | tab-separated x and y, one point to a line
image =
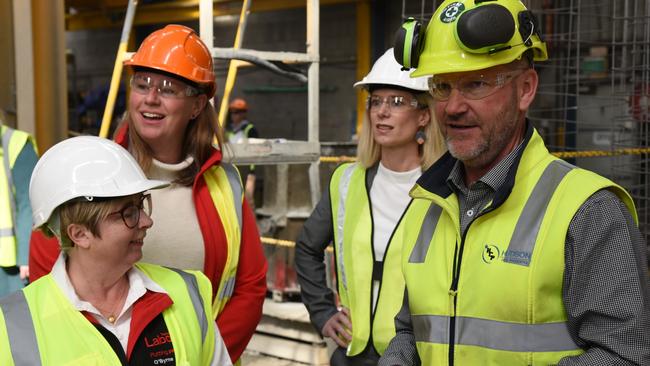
79	235
527	90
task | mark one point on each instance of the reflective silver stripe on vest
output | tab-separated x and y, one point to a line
419	253
237	189
197	301
6	138
20	329
6	232
344	184
431	328
549	337
228	288
522	243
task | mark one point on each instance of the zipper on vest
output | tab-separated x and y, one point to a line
453	291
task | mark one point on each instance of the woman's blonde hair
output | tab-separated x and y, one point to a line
82	212
369	152
197	142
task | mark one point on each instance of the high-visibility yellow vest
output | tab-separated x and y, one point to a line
226	191
502	305
353	248
39	325
12	144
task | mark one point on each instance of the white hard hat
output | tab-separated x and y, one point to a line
387	71
84	166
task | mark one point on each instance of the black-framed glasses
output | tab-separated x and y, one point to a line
131	213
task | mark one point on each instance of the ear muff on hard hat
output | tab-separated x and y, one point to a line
177	50
408	43
466	35
471	25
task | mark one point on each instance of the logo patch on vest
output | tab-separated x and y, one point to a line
491	253
517	257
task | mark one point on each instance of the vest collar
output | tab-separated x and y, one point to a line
434	179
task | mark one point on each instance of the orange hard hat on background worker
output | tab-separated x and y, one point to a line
192	61
238	104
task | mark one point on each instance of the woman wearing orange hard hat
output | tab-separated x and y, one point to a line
204	221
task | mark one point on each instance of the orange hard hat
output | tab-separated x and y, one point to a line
178	50
238	104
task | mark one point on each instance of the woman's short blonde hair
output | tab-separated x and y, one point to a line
369	152
80	211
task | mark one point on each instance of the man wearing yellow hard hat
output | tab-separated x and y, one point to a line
510	255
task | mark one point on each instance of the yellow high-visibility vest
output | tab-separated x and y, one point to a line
39	325
13	142
502	305
353	248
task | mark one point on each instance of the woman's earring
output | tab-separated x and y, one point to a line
420	136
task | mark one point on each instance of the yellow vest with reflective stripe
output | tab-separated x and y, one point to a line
507	308
353	248
226	190
65	337
13	141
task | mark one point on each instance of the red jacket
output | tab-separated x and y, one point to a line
239	318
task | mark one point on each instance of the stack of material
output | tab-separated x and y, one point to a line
285	332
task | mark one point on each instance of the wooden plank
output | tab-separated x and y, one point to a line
303	332
312	354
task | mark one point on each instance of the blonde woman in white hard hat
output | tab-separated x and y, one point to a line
97	306
360	212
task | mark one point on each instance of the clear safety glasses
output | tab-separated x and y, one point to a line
474	86
395	103
166	88
131	212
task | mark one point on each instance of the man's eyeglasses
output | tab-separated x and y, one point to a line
395	103
131	213
474	86
166	88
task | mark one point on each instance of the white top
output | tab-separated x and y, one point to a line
175	240
389	195
139	283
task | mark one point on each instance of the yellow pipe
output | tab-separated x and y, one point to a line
363	57
117	70
232	68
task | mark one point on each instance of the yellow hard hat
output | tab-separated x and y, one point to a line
468	35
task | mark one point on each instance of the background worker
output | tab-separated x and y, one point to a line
238	130
359	213
18	154
204	221
98	306
511	256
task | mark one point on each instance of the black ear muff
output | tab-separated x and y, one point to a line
409	39
485	28
528	26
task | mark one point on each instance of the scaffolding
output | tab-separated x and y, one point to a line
594	89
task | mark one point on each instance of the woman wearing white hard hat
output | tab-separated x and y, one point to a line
98	306
360	214
204	221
